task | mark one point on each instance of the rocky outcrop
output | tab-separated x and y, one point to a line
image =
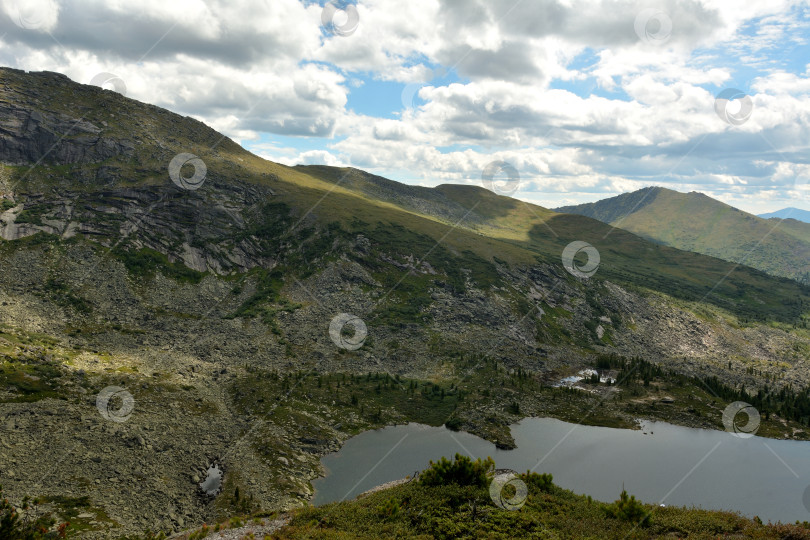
30	136
183	226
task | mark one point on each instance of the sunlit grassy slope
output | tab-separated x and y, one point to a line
625	258
696	222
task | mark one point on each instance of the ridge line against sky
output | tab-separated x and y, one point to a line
585	99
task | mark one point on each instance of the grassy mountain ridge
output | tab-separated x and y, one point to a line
545	233
619	208
212	308
481	221
698	223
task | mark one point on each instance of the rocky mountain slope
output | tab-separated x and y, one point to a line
696	222
204	298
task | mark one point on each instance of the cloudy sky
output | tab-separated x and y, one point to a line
585	99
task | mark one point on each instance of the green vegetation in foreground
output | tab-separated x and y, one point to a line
26	522
36	519
452	500
32	382
29	366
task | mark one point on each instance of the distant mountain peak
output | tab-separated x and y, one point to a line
616	208
789	213
697	222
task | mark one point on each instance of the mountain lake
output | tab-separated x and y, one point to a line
661	464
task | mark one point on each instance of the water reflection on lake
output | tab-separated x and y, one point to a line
661	463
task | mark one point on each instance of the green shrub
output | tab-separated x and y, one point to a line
462	471
389	509
535	481
627	508
202	532
29	526
145	262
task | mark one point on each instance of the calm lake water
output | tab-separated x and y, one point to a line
662	463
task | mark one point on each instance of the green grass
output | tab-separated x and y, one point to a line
644	383
30	365
70	508
32	382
